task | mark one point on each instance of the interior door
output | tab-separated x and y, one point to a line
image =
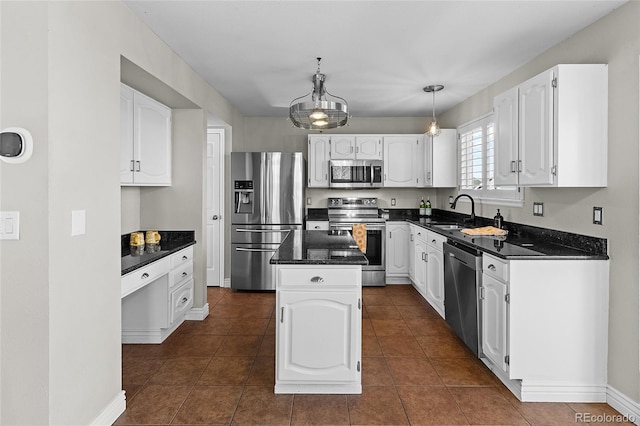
215	195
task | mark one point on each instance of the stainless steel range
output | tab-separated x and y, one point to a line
344	213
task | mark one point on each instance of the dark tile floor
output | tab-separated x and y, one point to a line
414	371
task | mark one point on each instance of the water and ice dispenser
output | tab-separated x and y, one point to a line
243	196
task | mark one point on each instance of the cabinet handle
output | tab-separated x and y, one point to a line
411	237
317	280
144	276
184	300
519	166
481	296
282	314
389	234
138	166
433	241
491	267
184	274
184	257
513	167
132	167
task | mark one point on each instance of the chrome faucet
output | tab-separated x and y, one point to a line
452	204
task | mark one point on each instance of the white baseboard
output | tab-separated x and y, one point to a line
112	411
227	283
624	405
397	279
198	314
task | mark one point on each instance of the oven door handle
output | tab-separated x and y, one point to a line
263	230
349	227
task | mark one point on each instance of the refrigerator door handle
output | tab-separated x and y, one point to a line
256	250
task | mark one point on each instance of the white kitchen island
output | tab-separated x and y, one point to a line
318	313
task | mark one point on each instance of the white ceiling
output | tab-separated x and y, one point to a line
378	55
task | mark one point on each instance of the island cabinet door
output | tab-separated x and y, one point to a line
318	337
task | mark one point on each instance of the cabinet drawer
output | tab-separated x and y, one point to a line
496	268
315	225
180	274
181	300
143	276
183	256
435	240
330	277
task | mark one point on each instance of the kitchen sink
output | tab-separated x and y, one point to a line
447	226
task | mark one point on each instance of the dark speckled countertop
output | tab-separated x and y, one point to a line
170	242
319	248
525	242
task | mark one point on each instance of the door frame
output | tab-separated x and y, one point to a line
221	192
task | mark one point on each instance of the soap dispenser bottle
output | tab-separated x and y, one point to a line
497	220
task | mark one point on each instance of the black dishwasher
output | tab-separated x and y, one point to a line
462	281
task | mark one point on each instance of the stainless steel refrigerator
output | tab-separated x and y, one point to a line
267	202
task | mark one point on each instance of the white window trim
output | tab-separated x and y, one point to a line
491	197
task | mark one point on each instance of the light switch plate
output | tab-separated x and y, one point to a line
9	225
597	215
393	201
78	222
308	201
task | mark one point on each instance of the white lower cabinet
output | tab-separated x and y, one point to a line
420	261
397	252
494	295
435	272
544	327
156	298
319	329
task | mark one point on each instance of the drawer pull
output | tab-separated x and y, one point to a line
491	267
317	280
282	314
184	274
184	257
144	276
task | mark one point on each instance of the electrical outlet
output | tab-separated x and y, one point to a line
538	209
393	201
597	215
308	201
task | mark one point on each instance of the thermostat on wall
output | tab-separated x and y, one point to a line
16	145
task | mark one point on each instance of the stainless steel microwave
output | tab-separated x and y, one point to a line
355	173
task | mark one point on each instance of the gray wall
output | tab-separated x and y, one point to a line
614	40
60	354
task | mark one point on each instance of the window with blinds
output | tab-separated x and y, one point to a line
476	162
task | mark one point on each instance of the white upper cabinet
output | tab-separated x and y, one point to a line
318	161
126	135
145	140
358	147
401	160
369	147
505	109
552	129
409	161
440	164
343	147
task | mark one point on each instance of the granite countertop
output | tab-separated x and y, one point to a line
525	242
319	248
170	242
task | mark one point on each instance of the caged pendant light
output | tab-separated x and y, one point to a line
433	129
319	113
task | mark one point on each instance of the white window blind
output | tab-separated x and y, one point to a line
476	162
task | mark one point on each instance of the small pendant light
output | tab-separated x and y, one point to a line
433	129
